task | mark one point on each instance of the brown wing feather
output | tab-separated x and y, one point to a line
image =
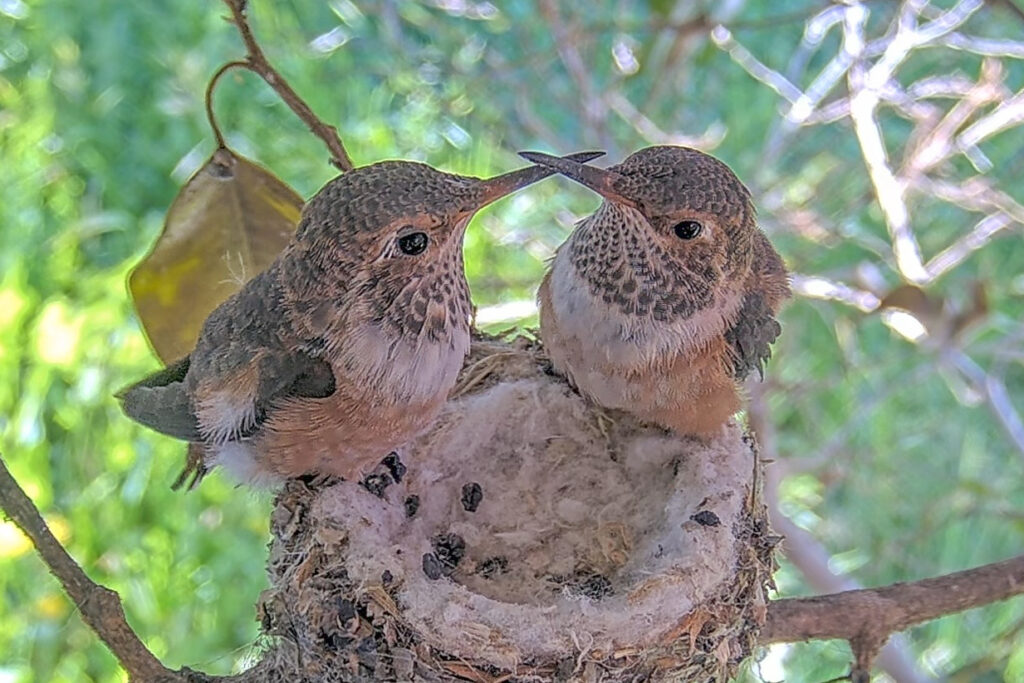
161	402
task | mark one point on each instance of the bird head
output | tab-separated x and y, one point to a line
676	234
390	235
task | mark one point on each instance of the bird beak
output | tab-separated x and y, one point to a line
497	187
600	180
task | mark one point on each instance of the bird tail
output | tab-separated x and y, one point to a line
160	402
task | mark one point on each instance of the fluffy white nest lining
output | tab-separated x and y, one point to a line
530	534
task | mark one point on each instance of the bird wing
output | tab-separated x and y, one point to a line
163	403
295	374
244	362
160	402
751	335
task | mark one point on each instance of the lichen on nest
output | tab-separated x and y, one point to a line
527	535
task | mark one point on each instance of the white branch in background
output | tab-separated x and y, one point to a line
815	287
1007	115
827	79
937	145
723	38
973	194
953	86
867	86
978	237
651	132
983	46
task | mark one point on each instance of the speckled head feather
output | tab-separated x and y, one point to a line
355	223
629	249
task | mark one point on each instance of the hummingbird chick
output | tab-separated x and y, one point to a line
665	298
347	345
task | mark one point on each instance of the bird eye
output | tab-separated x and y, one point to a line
687	230
413	244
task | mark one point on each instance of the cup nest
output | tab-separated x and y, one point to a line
527	536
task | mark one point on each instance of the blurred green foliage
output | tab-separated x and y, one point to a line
101	121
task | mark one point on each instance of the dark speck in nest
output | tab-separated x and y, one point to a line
432	567
592	585
346	611
706	518
412	506
315	482
377	483
595	587
492	566
386	577
395	466
450	549
335	640
472	495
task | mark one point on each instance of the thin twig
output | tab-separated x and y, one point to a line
99	606
650	131
241	64
257	62
723	38
956	253
995	393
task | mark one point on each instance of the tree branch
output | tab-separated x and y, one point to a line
880	612
257	62
99	606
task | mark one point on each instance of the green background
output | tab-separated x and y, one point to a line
897	474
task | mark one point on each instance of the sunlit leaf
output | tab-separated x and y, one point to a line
227	224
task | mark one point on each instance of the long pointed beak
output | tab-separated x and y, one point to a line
505	184
600	180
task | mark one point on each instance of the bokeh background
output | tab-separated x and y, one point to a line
896	434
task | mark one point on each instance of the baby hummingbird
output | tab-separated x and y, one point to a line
665	298
347	345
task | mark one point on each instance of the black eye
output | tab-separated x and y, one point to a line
413	243
687	230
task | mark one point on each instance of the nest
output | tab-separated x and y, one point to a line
528	536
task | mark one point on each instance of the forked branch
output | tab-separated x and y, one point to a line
256	62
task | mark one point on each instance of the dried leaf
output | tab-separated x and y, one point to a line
226	225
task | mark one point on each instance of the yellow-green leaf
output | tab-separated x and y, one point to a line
226	225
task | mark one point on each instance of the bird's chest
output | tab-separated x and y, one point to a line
595	336
602	331
400	369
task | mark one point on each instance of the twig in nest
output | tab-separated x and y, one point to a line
256	62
